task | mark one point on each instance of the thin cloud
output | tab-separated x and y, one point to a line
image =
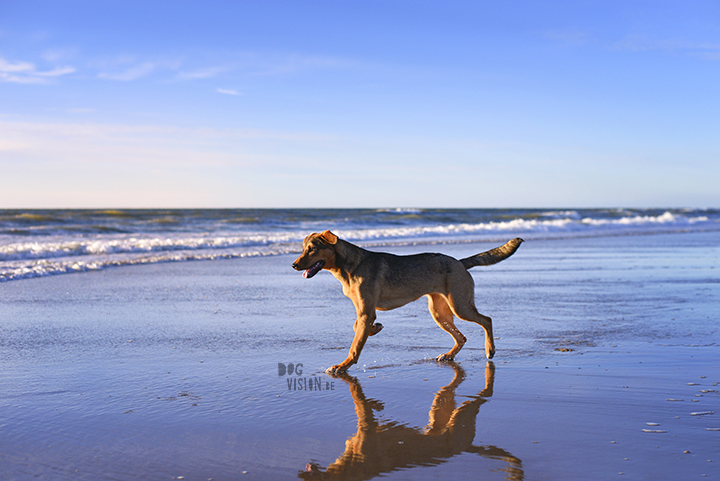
202	73
56	72
291	64
25	72
6	66
133	73
641	43
162	144
54	55
20	79
228	92
638	43
568	37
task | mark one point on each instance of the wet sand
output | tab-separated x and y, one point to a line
607	366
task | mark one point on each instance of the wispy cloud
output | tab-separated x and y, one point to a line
641	43
25	72
55	55
568	37
203	73
56	72
228	92
129	74
128	68
80	110
6	66
290	64
637	43
153	145
264	64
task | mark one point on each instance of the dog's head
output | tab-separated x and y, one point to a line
318	253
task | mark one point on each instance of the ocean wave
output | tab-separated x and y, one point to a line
58	246
401	210
567	221
572	214
39	243
46	267
96	246
665	218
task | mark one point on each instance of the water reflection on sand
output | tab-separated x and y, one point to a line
378	448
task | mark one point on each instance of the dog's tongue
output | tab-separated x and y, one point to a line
314	269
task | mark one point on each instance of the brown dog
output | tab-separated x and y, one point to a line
381	281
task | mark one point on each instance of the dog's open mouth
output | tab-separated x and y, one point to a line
314	269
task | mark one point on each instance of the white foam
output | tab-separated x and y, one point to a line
119	245
42	248
665	218
573	214
516	225
43	267
401	210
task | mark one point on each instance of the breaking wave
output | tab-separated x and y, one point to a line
39	243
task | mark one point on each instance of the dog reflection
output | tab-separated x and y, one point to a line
383	448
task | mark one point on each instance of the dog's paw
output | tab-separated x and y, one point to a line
445	357
337	369
377	327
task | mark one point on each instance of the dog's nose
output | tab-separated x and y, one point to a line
294	265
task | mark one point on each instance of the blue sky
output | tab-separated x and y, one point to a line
359	104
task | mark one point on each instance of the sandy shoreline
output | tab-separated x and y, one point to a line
169	370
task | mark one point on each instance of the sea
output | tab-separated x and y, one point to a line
36	243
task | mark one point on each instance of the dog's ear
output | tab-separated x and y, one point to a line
329	237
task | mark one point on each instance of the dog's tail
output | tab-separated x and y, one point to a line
493	256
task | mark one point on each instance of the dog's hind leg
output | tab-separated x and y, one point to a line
468	312
443	316
461	299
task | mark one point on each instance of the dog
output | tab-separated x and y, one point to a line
382	281
380	447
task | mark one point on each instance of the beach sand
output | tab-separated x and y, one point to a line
607	367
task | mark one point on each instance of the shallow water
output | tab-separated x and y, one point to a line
169	370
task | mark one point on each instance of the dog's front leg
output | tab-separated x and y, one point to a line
374	329
363	328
